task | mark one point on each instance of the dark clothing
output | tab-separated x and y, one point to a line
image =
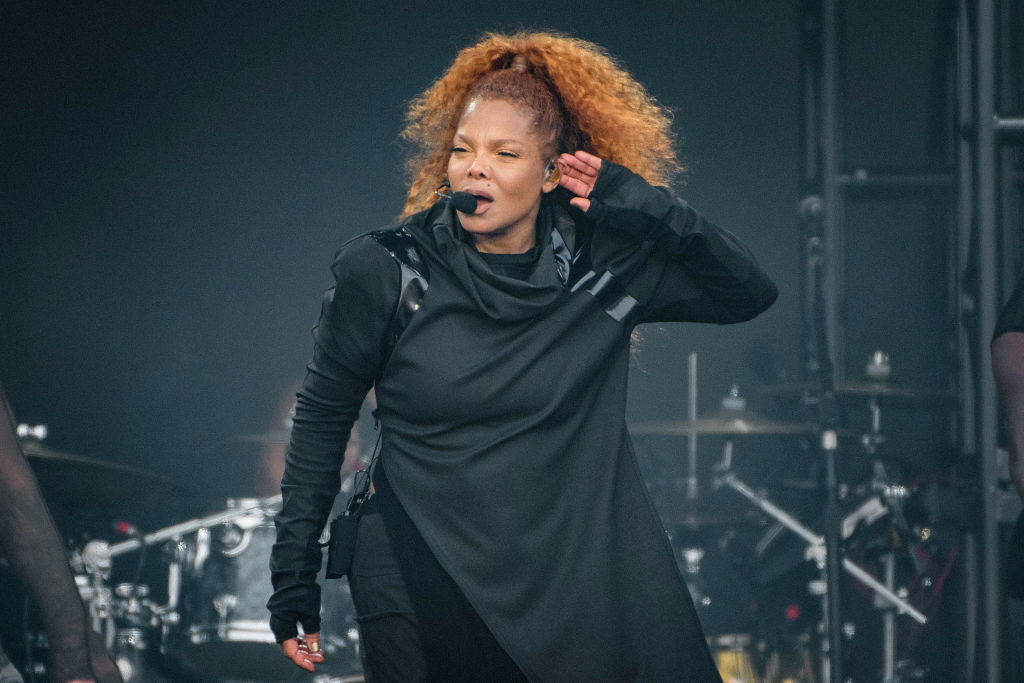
457	645
389	637
1011	317
396	640
1015	560
504	436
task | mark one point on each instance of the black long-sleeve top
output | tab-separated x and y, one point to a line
503	415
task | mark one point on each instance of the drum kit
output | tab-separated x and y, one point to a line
754	555
202	615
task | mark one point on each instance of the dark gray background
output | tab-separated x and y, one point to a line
176	178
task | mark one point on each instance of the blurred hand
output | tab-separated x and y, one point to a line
305	652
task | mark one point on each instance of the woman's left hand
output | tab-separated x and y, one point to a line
305	652
579	175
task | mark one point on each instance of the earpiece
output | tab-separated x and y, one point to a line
552	172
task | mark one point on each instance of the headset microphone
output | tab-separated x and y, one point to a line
463	201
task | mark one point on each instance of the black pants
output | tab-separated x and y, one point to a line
389	633
415	622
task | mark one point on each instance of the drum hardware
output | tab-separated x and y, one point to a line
883	496
125	614
25	431
733	658
878	367
816	544
867	513
720	590
790	666
691	414
95	561
174	532
96	558
214	624
732	419
886	596
894	494
129	648
246	514
201	549
222	630
691	576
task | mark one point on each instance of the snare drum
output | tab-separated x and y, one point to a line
224	632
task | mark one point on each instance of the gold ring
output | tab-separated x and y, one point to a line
314	646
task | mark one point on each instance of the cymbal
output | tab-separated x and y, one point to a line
865	389
878	389
93	483
279	437
723	422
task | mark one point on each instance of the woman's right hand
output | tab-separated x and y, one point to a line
305	652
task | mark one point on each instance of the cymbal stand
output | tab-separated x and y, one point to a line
889	623
95	558
822	372
894	496
873	439
691	438
816	546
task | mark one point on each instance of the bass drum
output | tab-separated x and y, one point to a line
224	633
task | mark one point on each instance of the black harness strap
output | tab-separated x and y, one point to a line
415	280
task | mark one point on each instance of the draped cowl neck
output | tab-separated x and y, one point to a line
497	296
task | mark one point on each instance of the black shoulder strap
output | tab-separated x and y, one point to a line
415	280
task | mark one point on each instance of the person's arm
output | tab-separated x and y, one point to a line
348	348
706	273
1008	368
33	547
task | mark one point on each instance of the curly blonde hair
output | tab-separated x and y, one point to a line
608	113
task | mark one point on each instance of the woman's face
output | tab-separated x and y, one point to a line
497	157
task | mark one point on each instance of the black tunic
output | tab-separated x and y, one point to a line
504	436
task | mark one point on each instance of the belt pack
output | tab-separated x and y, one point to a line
341	546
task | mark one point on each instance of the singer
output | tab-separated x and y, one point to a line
511	537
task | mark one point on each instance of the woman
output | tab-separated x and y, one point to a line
515	539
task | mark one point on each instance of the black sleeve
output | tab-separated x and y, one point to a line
347	352
684	268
